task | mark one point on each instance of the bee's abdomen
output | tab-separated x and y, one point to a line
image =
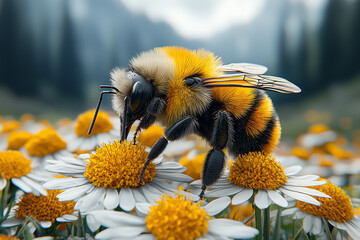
258	129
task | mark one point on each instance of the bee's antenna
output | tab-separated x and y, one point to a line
98	105
109	86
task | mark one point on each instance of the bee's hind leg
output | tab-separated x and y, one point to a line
178	130
215	159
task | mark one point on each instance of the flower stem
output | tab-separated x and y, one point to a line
258	222
276	234
267	223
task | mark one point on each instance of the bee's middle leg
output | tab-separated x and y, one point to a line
176	131
215	159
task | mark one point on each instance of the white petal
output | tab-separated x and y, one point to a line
65	168
44	238
231	189
101	138
126	199
230	228
11	222
88	144
300	215
45	224
174	176
301	197
308	223
73	193
242	196
89	200
196	183
303	183
139	198
111	219
74	161
262	199
145	237
353	228
160	183
289	211
170	167
318	226
308	191
2	183
293	170
84	156
21	184
74	144
306	177
34	185
111	198
143	208
150	193
92	223
217	205
64	183
121	232
277	198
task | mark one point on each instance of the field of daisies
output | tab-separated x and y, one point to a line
58	182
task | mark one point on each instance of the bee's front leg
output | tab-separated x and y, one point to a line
155	107
176	131
215	159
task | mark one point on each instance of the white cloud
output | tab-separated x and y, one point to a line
198	18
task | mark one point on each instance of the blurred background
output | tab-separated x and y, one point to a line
55	54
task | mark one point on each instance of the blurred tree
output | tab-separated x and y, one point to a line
69	82
17	69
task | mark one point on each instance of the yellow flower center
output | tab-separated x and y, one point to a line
102	123
318	128
337	208
18	139
45	142
241	212
7	237
194	167
118	165
13	164
257	170
43	208
9	126
27	117
177	218
151	135
300	153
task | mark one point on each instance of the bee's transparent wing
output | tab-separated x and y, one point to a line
244	68
265	82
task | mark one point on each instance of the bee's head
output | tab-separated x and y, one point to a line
134	93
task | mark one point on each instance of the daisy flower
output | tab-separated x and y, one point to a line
105	129
260	173
15	168
337	210
44	209
17	139
174	217
46	144
6	128
110	176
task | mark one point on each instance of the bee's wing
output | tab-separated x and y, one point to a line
244	68
265	82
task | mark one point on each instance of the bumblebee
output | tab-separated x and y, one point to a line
192	92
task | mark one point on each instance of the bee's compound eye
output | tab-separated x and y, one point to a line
191	81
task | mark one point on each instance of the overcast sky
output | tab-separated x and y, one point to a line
198	19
